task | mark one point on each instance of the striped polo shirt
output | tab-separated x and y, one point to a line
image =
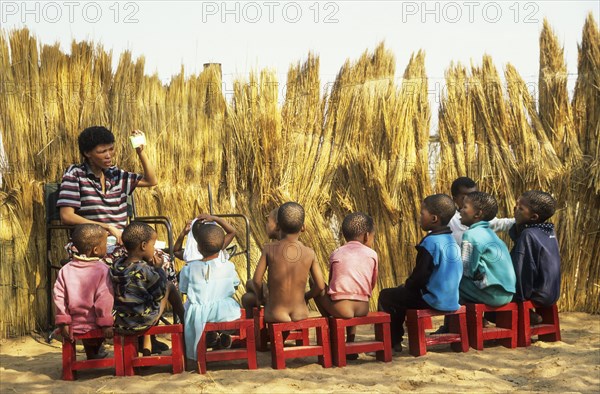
81	189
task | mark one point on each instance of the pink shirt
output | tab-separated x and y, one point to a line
352	272
83	295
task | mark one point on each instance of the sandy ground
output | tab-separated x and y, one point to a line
30	365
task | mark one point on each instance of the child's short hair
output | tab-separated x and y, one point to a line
86	236
135	234
290	217
357	224
541	203
94	136
440	205
484	202
210	237
463	181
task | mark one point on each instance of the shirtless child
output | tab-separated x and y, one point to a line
250	298
289	263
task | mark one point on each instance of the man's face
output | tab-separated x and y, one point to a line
459	198
101	156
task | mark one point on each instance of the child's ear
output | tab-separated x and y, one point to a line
435	218
95	251
535	217
365	238
303	229
478	214
143	245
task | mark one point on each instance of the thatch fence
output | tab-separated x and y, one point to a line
363	145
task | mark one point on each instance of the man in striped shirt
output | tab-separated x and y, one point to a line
95	191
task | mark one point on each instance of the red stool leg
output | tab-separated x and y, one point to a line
323	341
464	335
475	326
201	353
382	334
177	352
129	353
277	354
416	333
338	343
524	331
118	354
68	353
251	346
550	316
261	333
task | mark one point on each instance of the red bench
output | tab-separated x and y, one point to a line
417	319
261	333
547	331
382	344
279	353
245	328
69	356
506	325
130	350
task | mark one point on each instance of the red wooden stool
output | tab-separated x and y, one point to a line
279	353
382	344
71	365
506	325
418	341
130	350
245	328
261	333
548	331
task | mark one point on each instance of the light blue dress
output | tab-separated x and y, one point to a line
210	286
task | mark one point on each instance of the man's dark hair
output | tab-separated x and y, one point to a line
440	205
463	181
210	238
86	236
94	136
357	224
541	203
290	217
484	202
135	234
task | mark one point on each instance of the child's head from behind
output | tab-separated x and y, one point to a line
478	206
290	218
90	240
139	239
271	226
460	188
209	237
436	211
534	206
359	227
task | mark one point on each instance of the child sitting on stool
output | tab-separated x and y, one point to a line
210	284
141	286
535	256
434	281
83	292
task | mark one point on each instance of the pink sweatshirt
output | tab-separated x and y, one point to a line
83	295
352	272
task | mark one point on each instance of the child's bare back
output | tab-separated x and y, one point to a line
289	263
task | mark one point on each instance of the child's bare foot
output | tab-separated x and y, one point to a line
352	357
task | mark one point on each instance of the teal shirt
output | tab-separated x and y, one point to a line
486	259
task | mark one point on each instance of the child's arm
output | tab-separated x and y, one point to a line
501	224
317	277
178	247
103	303
229	230
259	272
523	263
63	318
422	272
375	272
